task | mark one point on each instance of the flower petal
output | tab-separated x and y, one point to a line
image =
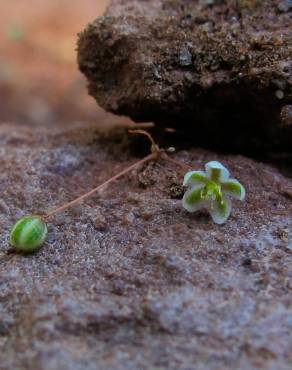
195	178
221	210
233	188
192	200
216	171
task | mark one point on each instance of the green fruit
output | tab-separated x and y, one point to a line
28	234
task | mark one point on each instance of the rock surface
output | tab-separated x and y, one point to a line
129	280
219	71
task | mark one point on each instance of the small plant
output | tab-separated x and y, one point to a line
206	190
212	190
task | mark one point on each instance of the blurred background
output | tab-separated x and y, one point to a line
39	79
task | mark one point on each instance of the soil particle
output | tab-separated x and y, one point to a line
175	188
286	115
149	175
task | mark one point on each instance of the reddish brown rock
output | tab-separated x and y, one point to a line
220	71
129	280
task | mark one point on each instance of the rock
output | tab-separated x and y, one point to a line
157	288
286	115
218	72
285	5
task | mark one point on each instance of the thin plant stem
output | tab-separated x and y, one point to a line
176	162
100	187
156	152
154	146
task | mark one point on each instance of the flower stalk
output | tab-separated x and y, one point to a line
30	232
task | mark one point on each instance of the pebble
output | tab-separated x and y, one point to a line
3	207
100	223
279	94
285	5
286	116
185	57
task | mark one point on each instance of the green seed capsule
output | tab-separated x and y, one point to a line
28	234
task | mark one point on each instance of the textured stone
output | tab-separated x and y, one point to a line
129	280
219	71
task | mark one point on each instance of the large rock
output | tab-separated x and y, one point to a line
129	280
219	70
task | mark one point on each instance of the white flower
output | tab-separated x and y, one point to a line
212	190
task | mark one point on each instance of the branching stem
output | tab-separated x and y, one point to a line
156	153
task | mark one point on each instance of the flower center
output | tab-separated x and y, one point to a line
211	191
